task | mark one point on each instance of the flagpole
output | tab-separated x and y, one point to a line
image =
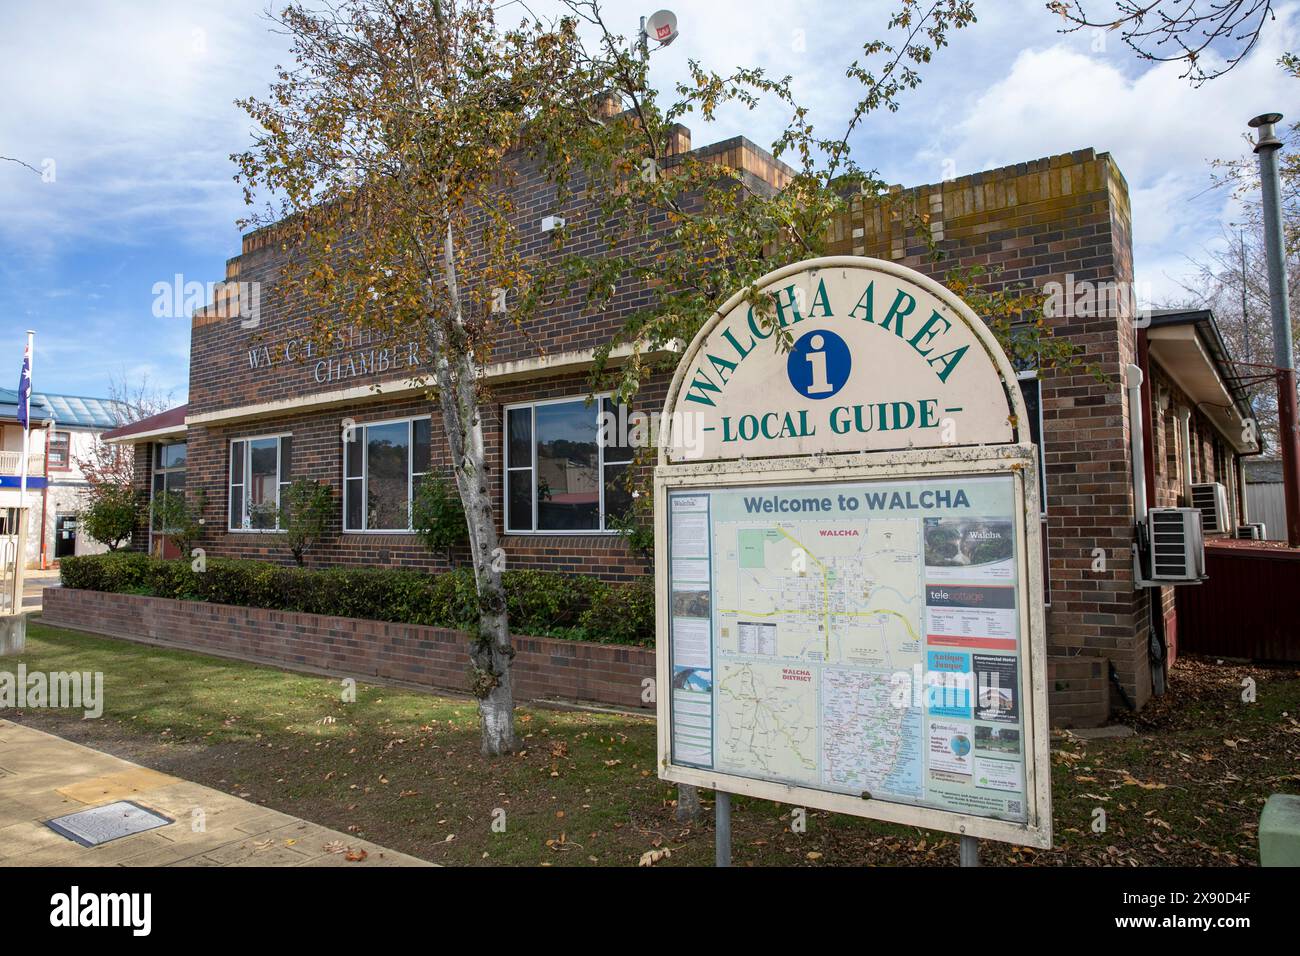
27	426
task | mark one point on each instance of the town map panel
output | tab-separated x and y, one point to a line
859	638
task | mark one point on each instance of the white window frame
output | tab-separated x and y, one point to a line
597	403
155	471
358	433
244	479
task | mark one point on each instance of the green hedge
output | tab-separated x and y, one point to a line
540	602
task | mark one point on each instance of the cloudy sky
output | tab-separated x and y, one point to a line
127	108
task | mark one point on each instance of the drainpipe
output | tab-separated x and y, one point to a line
1184	416
1266	148
1148	437
1138	386
1133	381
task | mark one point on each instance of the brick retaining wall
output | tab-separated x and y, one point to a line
432	657
1078	688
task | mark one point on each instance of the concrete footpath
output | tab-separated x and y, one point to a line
43	776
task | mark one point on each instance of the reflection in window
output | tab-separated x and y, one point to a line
168	476
383	464
259	471
558	477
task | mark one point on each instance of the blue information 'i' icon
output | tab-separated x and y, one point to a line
819	364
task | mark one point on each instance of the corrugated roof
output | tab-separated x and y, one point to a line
74	411
83	412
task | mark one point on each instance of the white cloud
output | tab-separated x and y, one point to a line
1162	132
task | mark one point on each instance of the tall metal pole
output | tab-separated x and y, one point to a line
1266	147
970	851
27	426
721	828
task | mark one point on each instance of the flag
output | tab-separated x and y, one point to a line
25	388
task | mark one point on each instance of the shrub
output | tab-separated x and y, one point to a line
305	509
624	614
175	516
438	516
540	603
110	513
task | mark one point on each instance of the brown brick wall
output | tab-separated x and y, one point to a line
1211	456
433	657
1078	691
1037	223
1033	223
317	454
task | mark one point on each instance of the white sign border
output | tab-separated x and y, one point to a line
1018	461
985	337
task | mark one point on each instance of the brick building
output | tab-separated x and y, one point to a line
265	406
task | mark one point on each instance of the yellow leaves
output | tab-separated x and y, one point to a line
651	857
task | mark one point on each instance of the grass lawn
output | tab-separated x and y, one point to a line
402	768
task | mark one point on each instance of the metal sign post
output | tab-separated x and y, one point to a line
721	828
848	561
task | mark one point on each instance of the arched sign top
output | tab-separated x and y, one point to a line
881	358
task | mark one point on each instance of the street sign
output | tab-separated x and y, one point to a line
848	559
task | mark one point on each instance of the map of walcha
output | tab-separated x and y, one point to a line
860	639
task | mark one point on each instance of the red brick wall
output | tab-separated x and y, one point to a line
317	454
1038	223
432	657
435	657
1078	691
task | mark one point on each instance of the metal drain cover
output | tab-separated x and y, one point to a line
109	822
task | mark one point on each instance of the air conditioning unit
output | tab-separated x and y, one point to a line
1251	531
1211	499
1174	549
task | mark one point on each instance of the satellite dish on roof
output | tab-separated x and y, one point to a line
662	26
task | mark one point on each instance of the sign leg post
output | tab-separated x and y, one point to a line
970	851
721	828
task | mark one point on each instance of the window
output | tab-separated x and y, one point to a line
168	474
560	476
60	451
259	470
1031	389
383	464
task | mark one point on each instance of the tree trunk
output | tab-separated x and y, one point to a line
688	803
490	650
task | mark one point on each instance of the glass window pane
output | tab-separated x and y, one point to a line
159	483
352	453
618	499
422	448
568	489
172	456
353	499
519	501
618	428
176	481
519	425
262	491
387	484
237	463
237	506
